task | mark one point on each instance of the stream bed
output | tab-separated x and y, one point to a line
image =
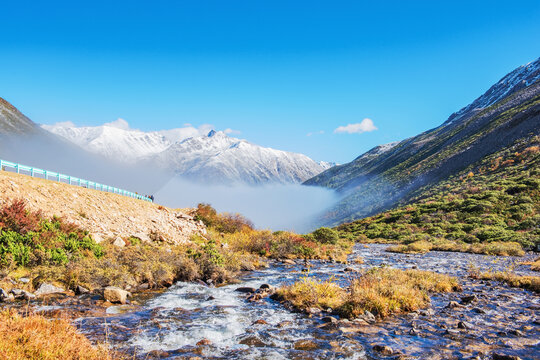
191	321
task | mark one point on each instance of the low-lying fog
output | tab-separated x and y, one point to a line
275	206
272	206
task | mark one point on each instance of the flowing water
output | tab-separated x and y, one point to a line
195	321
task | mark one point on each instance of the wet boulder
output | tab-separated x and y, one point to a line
306	345
498	356
115	295
79	290
3	295
465	300
22	294
47	289
245	290
383	349
204	342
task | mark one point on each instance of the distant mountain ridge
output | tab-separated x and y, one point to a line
378	180
214	157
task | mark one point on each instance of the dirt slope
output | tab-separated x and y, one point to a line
105	215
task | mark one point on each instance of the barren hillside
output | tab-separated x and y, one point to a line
104	215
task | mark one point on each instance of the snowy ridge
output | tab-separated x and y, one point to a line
218	157
377	150
211	157
516	80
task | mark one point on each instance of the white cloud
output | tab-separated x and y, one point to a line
320	132
62	124
231	131
365	125
118	123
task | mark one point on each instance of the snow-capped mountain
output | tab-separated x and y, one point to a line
216	157
111	142
211	157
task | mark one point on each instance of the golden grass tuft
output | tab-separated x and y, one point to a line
531	283
308	293
417	247
383	291
35	337
500	248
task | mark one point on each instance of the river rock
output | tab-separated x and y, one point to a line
288	262
24	280
497	356
115	295
79	290
260	322
368	317
329	320
306	345
383	349
285	323
252	341
313	311
464	325
267	287
246	290
349	269
46	289
453	305
465	300
204	342
3	295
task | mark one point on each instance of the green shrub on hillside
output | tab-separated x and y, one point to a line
499	202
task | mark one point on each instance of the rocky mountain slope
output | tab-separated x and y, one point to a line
12	121
382	177
104	215
213	157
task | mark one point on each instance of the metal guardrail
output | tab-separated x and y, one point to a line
51	175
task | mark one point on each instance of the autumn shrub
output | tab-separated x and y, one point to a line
27	238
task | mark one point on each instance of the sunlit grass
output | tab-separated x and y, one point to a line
382	291
37	338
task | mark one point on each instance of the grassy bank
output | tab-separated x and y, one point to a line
34	337
490	208
382	291
53	250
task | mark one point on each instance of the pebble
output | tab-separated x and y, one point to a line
383	349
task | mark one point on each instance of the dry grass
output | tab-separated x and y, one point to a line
493	248
34	337
385	291
535	265
308	293
417	247
382	291
531	283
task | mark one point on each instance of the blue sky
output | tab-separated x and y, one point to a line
274	70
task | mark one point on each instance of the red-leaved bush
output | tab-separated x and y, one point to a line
17	218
